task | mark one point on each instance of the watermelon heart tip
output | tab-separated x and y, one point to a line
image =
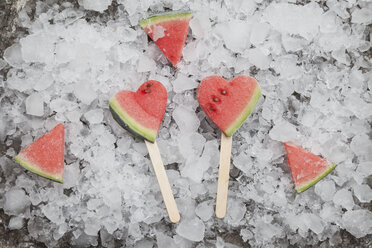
246	112
129	124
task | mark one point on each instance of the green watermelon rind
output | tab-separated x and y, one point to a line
133	125
34	168
246	112
164	17
304	186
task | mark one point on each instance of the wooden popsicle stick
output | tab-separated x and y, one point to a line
164	185
223	175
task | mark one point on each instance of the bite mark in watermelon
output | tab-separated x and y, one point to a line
228	104
306	168
45	156
169	32
141	112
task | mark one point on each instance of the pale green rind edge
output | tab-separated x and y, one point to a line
135	126
164	17
32	168
304	187
246	112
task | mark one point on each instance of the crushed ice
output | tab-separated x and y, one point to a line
311	62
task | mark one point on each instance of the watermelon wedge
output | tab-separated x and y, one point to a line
45	156
169	32
306	168
141	112
228	104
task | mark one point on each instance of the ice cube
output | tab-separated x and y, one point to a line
363	192
130	6
325	189
344	198
204	210
65	52
33	52
329	213
16	223
236	211
257	58
259	33
16	201
107	239
94	116
266	231
191	229
13	55
164	241
182	83
235	34
313	222
44	82
95	5
358	106
287	67
158	32
186	119
288	18
364	169
293	44
3	63
84	92
329	22
35	104
190	145
362	16
361	145
53	213
246	234
358	222
284	131
194	169
71	175
92	227
146	64
127	53
200	24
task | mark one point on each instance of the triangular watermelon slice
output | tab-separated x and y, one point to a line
45	156
169	32
307	168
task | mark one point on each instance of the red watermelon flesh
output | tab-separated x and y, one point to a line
141	112
169	32
45	156
228	104
306	168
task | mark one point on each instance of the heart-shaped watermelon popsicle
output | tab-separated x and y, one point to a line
227	104
141	113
